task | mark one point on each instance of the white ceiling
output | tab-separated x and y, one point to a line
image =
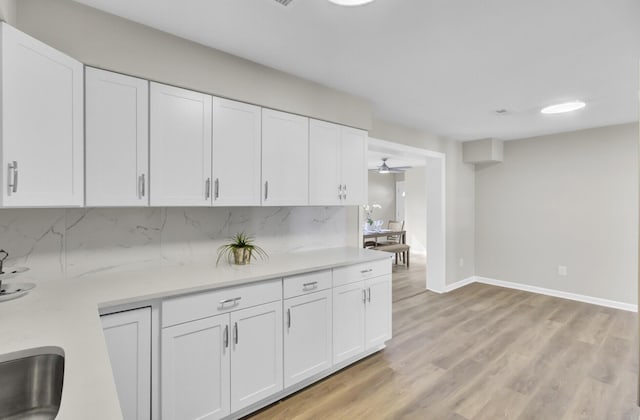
440	65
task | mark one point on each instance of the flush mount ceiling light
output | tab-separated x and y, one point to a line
350	2
563	107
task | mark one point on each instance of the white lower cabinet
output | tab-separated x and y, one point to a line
214	366
128	337
224	352
307	336
348	316
362	317
195	369
256	355
378	311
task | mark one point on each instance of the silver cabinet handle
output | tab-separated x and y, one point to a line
216	189
366	271
310	286
235	332
13	180
225	338
289	318
230	300
141	186
344	189
207	189
369	294
266	190
364	295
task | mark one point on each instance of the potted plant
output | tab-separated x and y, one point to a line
240	250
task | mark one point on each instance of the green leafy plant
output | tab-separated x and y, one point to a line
240	250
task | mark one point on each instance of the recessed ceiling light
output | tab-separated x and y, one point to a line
563	107
350	2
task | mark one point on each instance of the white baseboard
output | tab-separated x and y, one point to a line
453	286
551	292
459	284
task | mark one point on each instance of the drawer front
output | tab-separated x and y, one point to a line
363	271
202	305
306	283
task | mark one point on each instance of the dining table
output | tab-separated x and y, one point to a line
383	233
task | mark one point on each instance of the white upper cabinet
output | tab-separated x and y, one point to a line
180	143
117	139
285	159
325	163
354	166
42	124
337	164
236	153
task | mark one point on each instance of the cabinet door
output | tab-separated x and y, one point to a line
307	336
42	124
236	153
354	166
324	163
128	337
285	159
378	311
256	359
180	145
348	321
117	139
195	370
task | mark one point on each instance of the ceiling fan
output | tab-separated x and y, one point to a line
386	169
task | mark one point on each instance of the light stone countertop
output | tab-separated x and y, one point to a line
65	314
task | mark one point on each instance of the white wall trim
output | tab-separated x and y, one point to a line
453	286
379	144
556	293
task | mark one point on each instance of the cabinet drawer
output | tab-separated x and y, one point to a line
206	304
357	272
306	283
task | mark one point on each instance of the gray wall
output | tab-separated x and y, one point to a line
8	11
382	190
569	199
110	42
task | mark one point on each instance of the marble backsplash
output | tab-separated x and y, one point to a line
59	243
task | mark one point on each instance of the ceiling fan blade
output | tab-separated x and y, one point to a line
400	168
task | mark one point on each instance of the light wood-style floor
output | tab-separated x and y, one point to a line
483	352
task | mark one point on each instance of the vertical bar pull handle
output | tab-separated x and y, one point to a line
266	190
216	189
141	186
13	177
289	318
226	336
235	332
369	294
207	189
364	295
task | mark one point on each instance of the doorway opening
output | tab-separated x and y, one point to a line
415	196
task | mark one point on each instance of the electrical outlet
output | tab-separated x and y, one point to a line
461	262
562	270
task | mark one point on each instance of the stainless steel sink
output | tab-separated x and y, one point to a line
31	384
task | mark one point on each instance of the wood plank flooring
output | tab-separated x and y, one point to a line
483	352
